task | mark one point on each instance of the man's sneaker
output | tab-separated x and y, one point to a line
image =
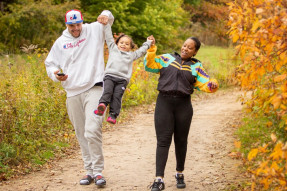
100	181
157	185
111	120
180	180
101	109
86	180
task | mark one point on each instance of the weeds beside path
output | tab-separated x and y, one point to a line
129	151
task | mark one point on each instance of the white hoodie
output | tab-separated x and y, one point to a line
81	58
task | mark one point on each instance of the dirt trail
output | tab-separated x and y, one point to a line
129	152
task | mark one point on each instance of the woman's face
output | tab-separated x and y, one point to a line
188	49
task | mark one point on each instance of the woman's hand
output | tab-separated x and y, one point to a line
213	85
151	38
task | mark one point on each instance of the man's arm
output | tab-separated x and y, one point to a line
52	65
106	17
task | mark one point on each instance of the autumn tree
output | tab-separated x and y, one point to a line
27	22
208	21
259	28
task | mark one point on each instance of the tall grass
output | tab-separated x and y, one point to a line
34	123
219	63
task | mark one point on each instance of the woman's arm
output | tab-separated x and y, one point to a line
154	63
203	81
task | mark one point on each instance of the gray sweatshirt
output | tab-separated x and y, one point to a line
120	62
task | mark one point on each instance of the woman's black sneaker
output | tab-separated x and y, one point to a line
180	181
157	185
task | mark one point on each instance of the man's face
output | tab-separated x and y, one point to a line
75	29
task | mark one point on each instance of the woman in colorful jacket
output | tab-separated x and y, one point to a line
180	74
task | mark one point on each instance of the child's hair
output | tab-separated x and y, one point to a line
124	35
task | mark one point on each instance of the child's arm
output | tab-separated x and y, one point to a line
109	36
142	50
203	81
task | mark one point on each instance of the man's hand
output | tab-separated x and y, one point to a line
60	78
103	19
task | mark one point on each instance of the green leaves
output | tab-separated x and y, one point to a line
142	18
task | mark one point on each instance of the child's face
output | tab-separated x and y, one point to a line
124	44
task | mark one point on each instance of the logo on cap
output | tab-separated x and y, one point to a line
73	17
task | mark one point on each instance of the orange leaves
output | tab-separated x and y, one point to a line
237	144
280	78
277	152
252	154
276	101
272	168
255	26
259	29
235	38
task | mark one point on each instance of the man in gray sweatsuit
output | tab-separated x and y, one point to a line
118	71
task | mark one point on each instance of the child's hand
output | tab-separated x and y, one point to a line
103	19
151	38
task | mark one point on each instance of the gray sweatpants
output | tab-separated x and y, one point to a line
88	127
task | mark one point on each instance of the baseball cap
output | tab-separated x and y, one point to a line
73	16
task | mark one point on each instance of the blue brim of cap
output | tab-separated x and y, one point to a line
74	22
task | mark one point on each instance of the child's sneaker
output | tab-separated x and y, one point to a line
86	180
100	110
111	120
100	181
157	185
180	180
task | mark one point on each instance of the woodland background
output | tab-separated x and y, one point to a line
244	44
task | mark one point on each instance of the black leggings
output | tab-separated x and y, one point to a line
172	116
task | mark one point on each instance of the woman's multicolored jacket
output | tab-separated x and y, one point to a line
174	76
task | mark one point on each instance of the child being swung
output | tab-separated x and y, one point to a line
118	71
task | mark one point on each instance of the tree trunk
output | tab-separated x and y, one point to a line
2	6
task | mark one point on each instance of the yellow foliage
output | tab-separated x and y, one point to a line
273	137
276	101
269	124
280	78
266	182
237	144
252	154
283	107
277	152
235	38
259	29
282	182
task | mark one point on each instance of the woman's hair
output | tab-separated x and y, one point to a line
124	35
197	42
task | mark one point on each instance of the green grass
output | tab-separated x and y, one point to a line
219	63
253	133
